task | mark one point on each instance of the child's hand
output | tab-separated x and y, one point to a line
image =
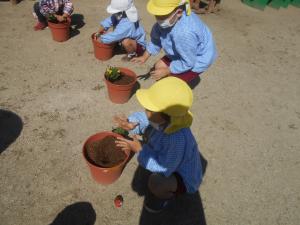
60	18
160	73
139	60
122	121
101	30
128	145
142	59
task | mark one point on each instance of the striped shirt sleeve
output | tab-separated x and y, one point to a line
45	8
141	119
68	7
185	48
168	159
106	23
121	31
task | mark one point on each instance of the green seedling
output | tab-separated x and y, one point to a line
112	73
52	18
121	131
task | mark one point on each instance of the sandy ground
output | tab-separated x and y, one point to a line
247	123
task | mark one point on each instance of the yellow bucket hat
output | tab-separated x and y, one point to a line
171	96
164	7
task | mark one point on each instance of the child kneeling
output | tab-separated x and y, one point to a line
186	40
169	150
127	29
60	9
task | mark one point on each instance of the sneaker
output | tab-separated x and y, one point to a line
128	57
39	26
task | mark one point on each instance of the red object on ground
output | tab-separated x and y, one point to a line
118	201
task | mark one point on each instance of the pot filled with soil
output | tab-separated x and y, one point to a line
105	161
60	30
120	84
102	51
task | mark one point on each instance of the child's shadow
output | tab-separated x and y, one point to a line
79	213
77	22
187	209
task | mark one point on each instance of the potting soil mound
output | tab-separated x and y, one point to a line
125	79
104	153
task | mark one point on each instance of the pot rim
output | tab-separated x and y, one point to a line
109	133
111	45
122	85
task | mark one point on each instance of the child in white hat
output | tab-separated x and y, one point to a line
170	151
127	30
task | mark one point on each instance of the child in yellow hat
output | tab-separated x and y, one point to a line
187	42
169	151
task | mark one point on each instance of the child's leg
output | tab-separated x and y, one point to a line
166	187
40	16
161	64
196	7
213	6
187	76
161	189
42	21
129	45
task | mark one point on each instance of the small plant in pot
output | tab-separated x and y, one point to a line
121	131
112	74
52	18
120	83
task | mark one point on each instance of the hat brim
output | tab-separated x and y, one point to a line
158	11
112	10
143	96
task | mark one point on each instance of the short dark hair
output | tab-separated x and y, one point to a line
166	117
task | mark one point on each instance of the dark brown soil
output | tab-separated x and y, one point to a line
125	79
104	153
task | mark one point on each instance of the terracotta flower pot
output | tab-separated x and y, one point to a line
102	51
60	31
102	175
121	93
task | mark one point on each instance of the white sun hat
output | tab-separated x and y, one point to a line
123	5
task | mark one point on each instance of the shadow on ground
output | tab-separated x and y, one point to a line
184	210
11	126
79	213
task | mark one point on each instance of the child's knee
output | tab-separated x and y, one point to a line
127	42
160	64
155	184
36	6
